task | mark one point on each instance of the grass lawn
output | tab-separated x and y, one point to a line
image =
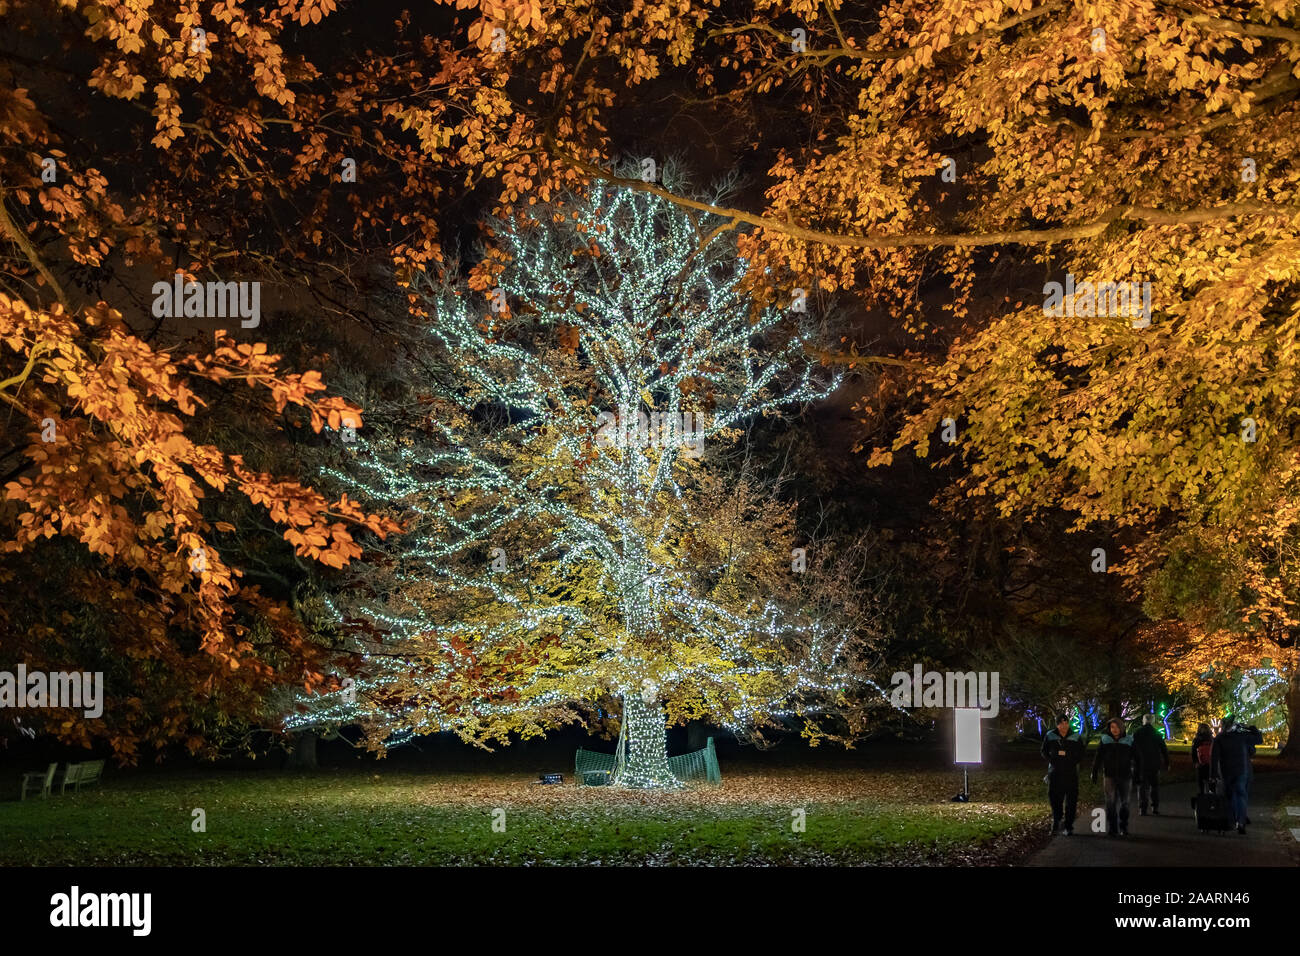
1285	823
375	816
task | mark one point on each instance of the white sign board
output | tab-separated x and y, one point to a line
967	725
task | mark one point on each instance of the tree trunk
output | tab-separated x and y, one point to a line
646	766
697	735
303	755
1292	746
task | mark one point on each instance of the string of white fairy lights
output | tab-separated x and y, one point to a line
1259	699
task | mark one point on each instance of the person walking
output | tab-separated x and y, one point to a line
1116	757
1153	756
1202	748
1064	752
1230	758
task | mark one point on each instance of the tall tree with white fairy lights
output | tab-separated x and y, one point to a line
575	531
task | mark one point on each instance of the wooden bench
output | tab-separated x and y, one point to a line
81	774
38	780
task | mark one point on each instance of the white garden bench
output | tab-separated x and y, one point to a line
38	781
81	774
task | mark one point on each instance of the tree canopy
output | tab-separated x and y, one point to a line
929	167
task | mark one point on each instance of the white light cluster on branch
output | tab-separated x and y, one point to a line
1259	698
508	456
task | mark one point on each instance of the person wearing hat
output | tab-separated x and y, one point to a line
1063	751
1153	755
1230	761
1116	757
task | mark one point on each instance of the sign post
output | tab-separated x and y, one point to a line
966	723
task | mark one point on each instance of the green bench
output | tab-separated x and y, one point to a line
591	768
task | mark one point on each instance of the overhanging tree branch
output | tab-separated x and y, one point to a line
26	372
1089	230
827	54
20	239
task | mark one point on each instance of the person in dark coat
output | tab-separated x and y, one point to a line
1063	752
1230	759
1116	757
1202	748
1153	756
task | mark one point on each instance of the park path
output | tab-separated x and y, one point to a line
1171	839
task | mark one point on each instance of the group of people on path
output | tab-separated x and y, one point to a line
1230	758
1129	761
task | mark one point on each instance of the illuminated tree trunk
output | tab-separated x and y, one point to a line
646	766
